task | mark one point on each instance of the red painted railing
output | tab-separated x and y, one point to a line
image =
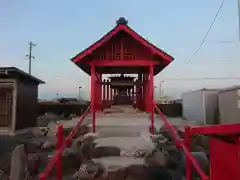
61	144
190	160
224	149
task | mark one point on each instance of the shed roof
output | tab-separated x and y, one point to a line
236	87
13	72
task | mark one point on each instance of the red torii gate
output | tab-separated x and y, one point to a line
122	50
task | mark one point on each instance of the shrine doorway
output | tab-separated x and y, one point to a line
121	89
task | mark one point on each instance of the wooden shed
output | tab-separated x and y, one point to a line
18	99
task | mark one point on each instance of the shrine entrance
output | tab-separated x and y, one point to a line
122	51
121	89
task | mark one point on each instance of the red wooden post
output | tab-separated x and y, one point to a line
147	93
96	91
114	94
108	93
137	93
130	94
100	89
144	93
142	102
238	145
59	146
134	94
111	95
104	93
93	83
98	98
42	177
188	162
152	105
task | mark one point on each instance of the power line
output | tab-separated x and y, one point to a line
30	56
200	79
205	37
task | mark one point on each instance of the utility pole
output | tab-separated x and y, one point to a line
30	56
79	92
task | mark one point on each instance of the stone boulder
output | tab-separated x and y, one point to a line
18	163
156	159
156	173
87	145
90	170
83	130
39	131
34	144
136	172
139	172
158	138
202	160
99	152
33	164
52	129
119	174
154	129
44	120
51	141
167	134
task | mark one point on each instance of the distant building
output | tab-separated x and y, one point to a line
177	101
229	105
165	100
18	99
201	106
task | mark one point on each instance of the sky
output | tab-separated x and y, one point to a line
61	29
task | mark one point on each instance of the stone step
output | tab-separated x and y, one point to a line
126	143
114	163
120	131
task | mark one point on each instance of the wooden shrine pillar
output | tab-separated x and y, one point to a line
111	95
114	94
128	95
147	101
134	94
138	91
101	89
108	97
104	94
93	99
145	91
98	91
151	94
141	90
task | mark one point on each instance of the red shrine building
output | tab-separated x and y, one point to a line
122	51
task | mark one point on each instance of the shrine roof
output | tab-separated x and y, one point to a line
120	27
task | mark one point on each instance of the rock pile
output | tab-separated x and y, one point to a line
32	155
165	161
